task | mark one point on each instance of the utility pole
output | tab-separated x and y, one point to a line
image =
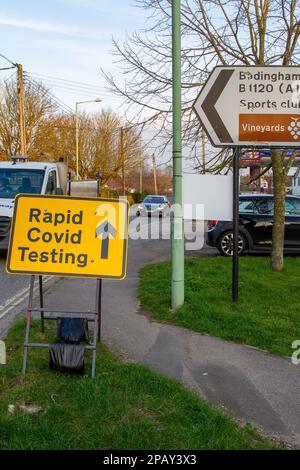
154	173
77	139
21	110
123	161
141	178
177	230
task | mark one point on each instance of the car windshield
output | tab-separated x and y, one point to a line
154	200
14	181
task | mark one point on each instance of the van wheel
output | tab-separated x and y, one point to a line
225	244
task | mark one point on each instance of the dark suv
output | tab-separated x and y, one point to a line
255	226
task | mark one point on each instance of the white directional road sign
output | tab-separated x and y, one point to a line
245	106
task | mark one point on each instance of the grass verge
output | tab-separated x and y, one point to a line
268	312
126	407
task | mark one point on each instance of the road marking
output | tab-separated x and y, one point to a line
12	302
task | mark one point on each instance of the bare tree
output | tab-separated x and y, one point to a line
38	107
99	144
50	134
113	153
214	32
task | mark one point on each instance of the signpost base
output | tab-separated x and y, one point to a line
56	314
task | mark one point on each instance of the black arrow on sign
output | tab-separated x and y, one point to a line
210	101
105	230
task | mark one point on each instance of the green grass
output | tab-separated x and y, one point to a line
268	312
126	407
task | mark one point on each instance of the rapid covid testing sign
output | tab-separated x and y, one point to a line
68	236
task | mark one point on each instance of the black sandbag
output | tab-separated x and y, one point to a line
72	330
67	358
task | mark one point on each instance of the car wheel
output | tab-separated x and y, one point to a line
225	244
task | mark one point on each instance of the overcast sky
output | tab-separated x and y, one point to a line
68	39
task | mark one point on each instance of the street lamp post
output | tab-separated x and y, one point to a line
96	100
177	218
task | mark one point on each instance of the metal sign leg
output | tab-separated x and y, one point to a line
94	353
28	318
235	258
99	306
42	303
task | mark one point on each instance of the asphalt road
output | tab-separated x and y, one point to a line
10	285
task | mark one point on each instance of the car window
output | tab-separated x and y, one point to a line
51	184
292	206
264	206
246	206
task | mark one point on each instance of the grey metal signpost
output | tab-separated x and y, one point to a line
235	219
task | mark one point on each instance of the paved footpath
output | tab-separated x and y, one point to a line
252	385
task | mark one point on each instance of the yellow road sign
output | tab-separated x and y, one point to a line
68	236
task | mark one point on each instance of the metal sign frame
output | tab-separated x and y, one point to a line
93	316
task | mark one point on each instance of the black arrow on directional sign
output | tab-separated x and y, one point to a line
105	230
210	101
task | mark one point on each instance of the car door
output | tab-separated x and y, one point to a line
292	222
51	183
260	223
